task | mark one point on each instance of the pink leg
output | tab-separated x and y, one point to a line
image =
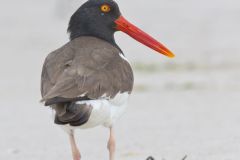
111	145
75	152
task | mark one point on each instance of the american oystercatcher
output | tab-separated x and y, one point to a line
88	80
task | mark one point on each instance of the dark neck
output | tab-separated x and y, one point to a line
80	30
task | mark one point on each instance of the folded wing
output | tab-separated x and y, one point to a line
86	67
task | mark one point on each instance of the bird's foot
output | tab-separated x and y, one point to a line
76	156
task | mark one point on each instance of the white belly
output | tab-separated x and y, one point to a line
105	112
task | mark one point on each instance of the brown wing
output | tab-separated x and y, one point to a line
87	67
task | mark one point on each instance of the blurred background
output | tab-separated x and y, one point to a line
188	105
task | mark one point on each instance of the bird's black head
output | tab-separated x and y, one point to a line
95	18
102	18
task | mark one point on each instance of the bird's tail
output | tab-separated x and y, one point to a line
72	113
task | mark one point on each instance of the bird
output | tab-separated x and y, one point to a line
88	80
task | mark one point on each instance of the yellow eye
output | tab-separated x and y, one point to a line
105	8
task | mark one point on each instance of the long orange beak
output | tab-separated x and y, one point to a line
123	25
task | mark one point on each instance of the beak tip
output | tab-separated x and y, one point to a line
171	55
168	53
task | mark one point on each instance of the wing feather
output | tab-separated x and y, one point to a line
85	67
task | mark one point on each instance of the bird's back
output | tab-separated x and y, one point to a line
85	67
